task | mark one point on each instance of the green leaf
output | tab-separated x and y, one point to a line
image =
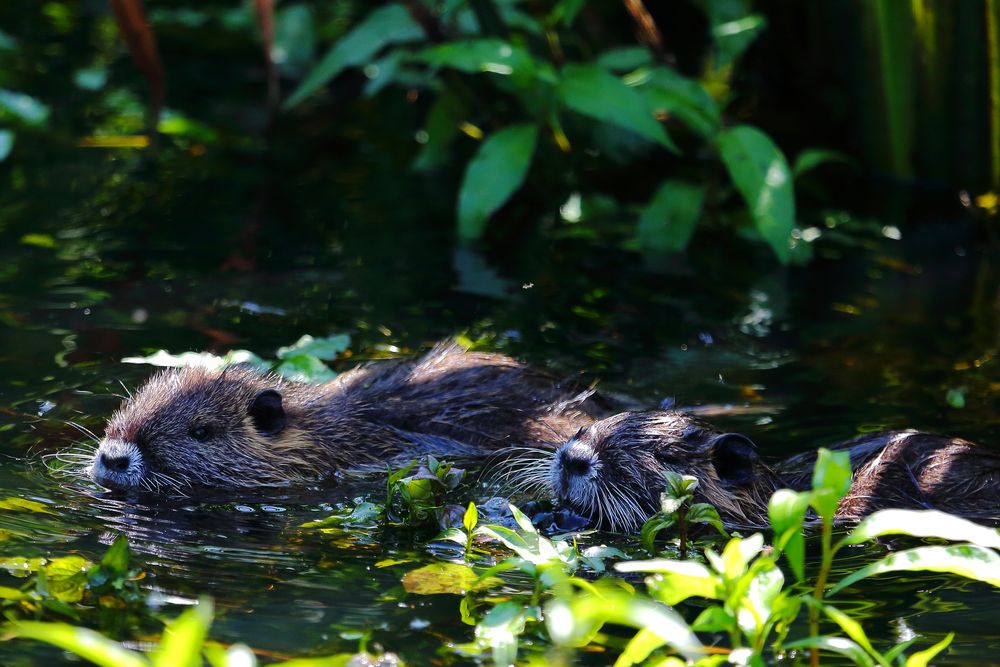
596	93
955	397
23	107
676	580
18	504
705	513
667	91
6	143
440	578
328	348
480	55
839	645
66	577
625	58
653	527
922	523
831	481
965	560
923	658
305	368
391	24
787	510
470	518
761	594
714	619
87	644
812	158
182	639
847	624
500	629
440	130
638	648
760	172
493	175
363	514
667	221
115	559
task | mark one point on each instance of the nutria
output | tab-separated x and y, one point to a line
239	427
612	471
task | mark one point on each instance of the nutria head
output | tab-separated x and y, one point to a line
194	427
612	471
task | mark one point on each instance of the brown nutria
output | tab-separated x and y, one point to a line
612	471
239	427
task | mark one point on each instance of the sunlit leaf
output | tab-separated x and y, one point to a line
85	643
363	514
500	629
390	24
327	348
638	648
183	637
667	221
675	580
922	523
831	481
812	158
760	172
787	510
480	55
840	645
923	658
764	589
667	91
304	368
23	504
965	560
116	558
493	175
6	143
851	627
470	518
23	107
66	578
594	92
438	578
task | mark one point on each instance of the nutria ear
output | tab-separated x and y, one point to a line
266	411
734	456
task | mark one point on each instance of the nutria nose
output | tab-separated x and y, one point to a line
115	463
574	465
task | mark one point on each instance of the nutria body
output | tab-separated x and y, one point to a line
612	472
189	428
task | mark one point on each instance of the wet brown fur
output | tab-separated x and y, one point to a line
448	402
897	469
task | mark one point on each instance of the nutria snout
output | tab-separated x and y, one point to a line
239	427
611	472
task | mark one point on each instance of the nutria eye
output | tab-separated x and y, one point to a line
200	432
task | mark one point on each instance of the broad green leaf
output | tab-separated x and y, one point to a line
305	368
733	29
327	348
453	534
760	172
181	643
6	143
15	503
66	578
115	559
676	580
653	527
831	481
923	658
714	619
638	648
362	514
438	578
787	510
500	629
574	622
811	158
965	560
851	627
667	221
85	643
738	553
840	645
493	175
522	520
707	514
764	589
922	523
470	518
667	91
480	55
594	92
440	129
390	24
625	58
24	107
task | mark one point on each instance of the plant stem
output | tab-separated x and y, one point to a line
824	573
682	530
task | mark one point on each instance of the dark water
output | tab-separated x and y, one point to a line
805	357
109	253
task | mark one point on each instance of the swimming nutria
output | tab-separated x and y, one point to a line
239	427
612	471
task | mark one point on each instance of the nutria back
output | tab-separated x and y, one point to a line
238	427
